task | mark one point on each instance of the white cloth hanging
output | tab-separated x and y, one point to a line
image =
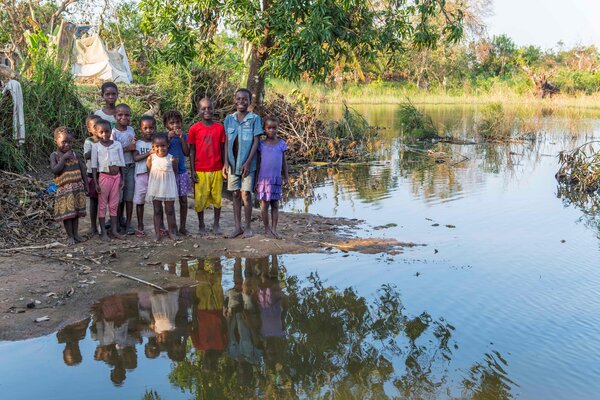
14	88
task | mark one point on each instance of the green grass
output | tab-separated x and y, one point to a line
396	93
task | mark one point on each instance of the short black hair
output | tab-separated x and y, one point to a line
123	105
246	91
147	117
107	85
92	117
172	115
272	118
103	122
62	130
160	136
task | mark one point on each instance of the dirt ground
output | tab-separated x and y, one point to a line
62	282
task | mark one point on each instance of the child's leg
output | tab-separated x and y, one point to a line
68	224
201	226
264	213
275	217
170	211
113	205
237	213
158	212
139	211
216	189
76	230
94	215
247	199
183	209
129	216
217	221
105	187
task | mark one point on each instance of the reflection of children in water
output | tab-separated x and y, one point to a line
71	335
273	306
208	332
243	321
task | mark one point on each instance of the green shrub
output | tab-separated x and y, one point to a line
416	124
495	123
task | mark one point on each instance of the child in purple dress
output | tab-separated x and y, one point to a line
272	166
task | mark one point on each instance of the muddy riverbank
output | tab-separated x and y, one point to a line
63	282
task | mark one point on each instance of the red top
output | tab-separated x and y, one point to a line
208	141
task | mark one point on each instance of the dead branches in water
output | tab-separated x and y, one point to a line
580	168
26	209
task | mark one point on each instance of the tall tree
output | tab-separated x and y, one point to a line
290	38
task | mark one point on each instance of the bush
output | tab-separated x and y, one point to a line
494	123
50	100
416	124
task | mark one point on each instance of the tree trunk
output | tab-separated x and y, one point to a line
258	57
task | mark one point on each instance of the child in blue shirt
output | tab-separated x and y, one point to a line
179	148
242	129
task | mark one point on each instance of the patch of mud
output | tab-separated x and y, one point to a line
63	282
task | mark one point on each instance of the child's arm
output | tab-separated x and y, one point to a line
246	166
175	164
139	157
149	163
83	170
95	168
284	169
193	163
122	173
95	176
184	145
224	157
57	164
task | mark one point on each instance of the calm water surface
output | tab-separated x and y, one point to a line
502	302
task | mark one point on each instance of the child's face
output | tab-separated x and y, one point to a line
91	127
207	110
148	129
123	116
242	101
271	128
64	142
160	147
110	96
103	132
173	125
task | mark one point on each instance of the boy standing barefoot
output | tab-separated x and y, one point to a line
207	152
242	130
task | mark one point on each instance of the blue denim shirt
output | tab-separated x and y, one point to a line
244	131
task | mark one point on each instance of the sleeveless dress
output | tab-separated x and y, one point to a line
268	186
162	185
70	200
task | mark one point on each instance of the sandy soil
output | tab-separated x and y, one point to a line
63	282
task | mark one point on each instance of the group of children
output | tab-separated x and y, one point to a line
119	169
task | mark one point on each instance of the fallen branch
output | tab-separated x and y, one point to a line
133	278
41	246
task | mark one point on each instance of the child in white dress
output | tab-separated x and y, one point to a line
162	184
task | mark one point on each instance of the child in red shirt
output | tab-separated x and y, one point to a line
207	151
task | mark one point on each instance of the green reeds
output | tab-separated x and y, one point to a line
414	123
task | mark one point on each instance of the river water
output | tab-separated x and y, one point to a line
503	301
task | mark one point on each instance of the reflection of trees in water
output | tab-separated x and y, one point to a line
277	336
587	202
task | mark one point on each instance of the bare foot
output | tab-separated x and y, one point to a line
92	233
202	230
275	234
235	233
248	233
183	232
268	232
80	239
172	236
157	238
105	238
117	235
217	230
71	241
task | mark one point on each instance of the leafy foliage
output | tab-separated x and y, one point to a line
415	123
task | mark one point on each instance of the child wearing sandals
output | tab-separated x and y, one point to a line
143	149
272	174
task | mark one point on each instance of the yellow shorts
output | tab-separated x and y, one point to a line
208	190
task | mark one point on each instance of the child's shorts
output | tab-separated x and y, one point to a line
129	177
208	190
184	184
237	182
141	187
92	193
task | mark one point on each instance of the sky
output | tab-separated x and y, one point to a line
545	22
